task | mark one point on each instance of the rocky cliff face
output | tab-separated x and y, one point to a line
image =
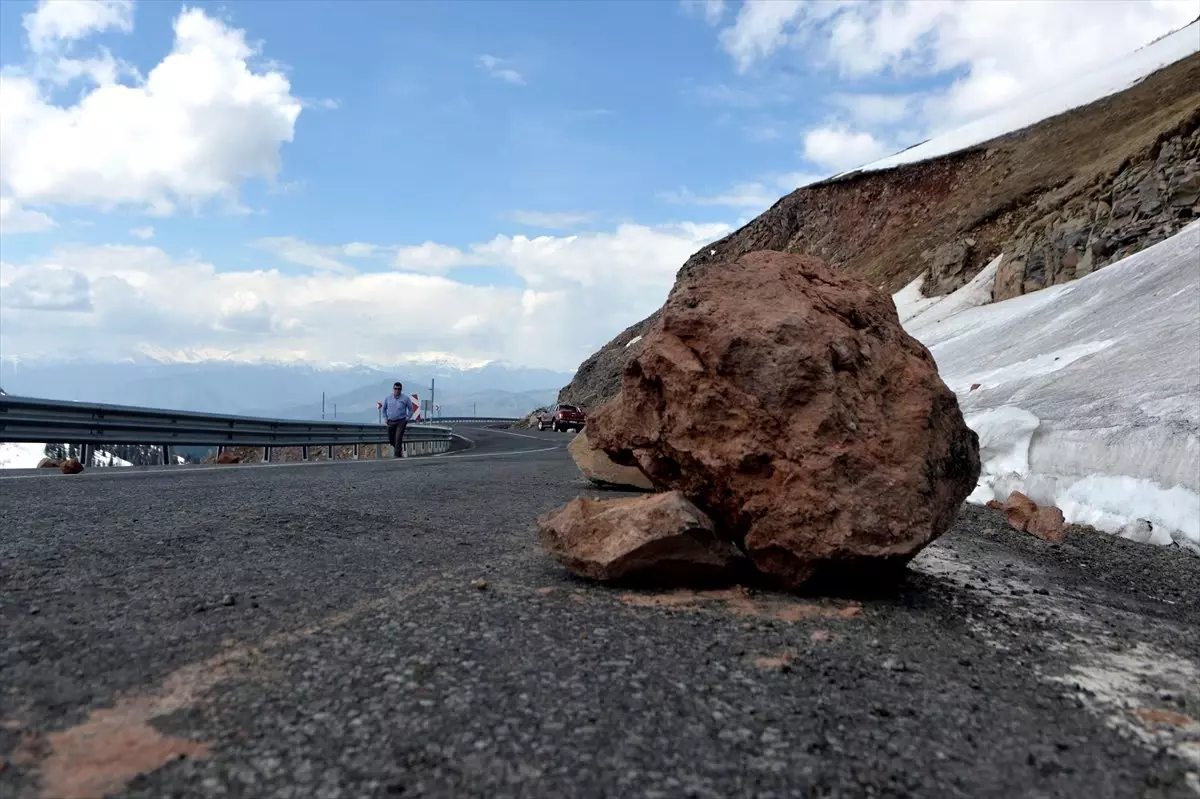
1058	200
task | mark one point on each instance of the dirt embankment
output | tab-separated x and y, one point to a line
1058	199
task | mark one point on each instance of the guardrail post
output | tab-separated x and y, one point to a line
266	454
304	452
356	451
378	451
166	453
329	451
85	454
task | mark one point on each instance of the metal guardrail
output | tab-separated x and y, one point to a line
33	420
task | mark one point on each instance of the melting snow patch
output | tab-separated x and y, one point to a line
21	456
1004	437
1089	393
633	341
1134	508
1037	366
977	292
909	301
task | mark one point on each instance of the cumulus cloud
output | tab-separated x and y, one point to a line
204	120
578	290
983	54
143	233
52	288
839	149
637	259
15	219
54	23
496	67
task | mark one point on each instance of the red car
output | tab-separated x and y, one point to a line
563	417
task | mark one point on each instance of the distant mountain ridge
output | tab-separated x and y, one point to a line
284	391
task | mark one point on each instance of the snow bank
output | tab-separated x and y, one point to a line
103	458
1088	393
27	456
1101	81
21	456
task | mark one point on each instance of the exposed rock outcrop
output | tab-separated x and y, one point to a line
788	404
613	539
229	457
1059	199
602	471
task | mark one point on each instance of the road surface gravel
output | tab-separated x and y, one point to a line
385	629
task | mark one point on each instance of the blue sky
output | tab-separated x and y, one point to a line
479	180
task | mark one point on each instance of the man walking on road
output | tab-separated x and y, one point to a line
397	410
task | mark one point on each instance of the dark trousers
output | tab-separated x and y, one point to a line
396	436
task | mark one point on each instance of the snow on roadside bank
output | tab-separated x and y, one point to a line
1088	393
21	456
27	456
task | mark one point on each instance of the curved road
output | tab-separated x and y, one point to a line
320	630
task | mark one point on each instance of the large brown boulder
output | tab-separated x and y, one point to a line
71	466
661	534
602	471
787	403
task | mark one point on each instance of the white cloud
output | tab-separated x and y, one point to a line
551	220
202	122
578	291
764	26
58	22
496	68
314	256
991	51
838	149
15	219
143	233
50	289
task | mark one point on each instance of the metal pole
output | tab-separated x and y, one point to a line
166	452
322	404
329	451
304	452
266	454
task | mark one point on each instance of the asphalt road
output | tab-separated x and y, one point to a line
318	630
